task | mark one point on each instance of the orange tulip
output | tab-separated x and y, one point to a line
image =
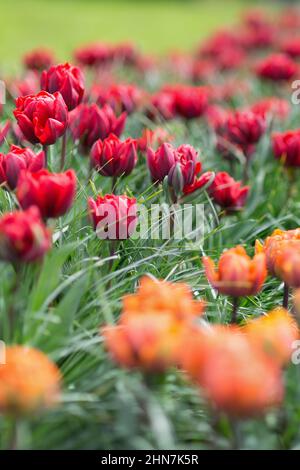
28	381
161	297
287	263
274	333
237	274
273	245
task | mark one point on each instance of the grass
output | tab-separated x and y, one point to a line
155	26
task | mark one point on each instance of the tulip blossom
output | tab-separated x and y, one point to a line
274	333
27	85
277	67
113	217
52	193
89	123
23	237
112	157
93	54
286	147
158	296
227	192
18	159
242	129
38	59
66	79
287	263
180	164
29	381
206	179
237	274
291	47
273	245
162	105
190	102
42	118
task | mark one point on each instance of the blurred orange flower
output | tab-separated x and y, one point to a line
237	274
274	333
147	340
287	263
28	381
161	297
273	245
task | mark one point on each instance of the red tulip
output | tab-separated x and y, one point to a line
18	159
42	118
277	67
23	236
162	105
113	217
89	123
242	129
286	147
52	193
68	80
112	157
191	102
38	59
28	85
93	54
227	192
121	97
153	138
161	161
199	183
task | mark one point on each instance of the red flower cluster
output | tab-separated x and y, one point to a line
16	160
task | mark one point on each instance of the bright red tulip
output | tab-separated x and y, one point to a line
113	217
227	192
23	236
191	102
18	159
52	193
89	123
42	118
162	105
113	157
68	80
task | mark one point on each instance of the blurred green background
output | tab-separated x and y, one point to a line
154	25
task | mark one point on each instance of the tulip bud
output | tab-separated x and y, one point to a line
175	179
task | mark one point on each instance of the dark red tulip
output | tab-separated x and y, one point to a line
277	67
68	80
52	193
113	217
42	118
113	157
162	105
291	47
16	160
161	161
93	54
227	192
120	96
190	102
23	236
286	147
38	59
89	123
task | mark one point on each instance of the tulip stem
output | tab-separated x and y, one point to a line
114	183
285	302
45	149
63	151
246	170
235	305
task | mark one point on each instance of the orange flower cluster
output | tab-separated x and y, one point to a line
28	381
151	325
239	369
